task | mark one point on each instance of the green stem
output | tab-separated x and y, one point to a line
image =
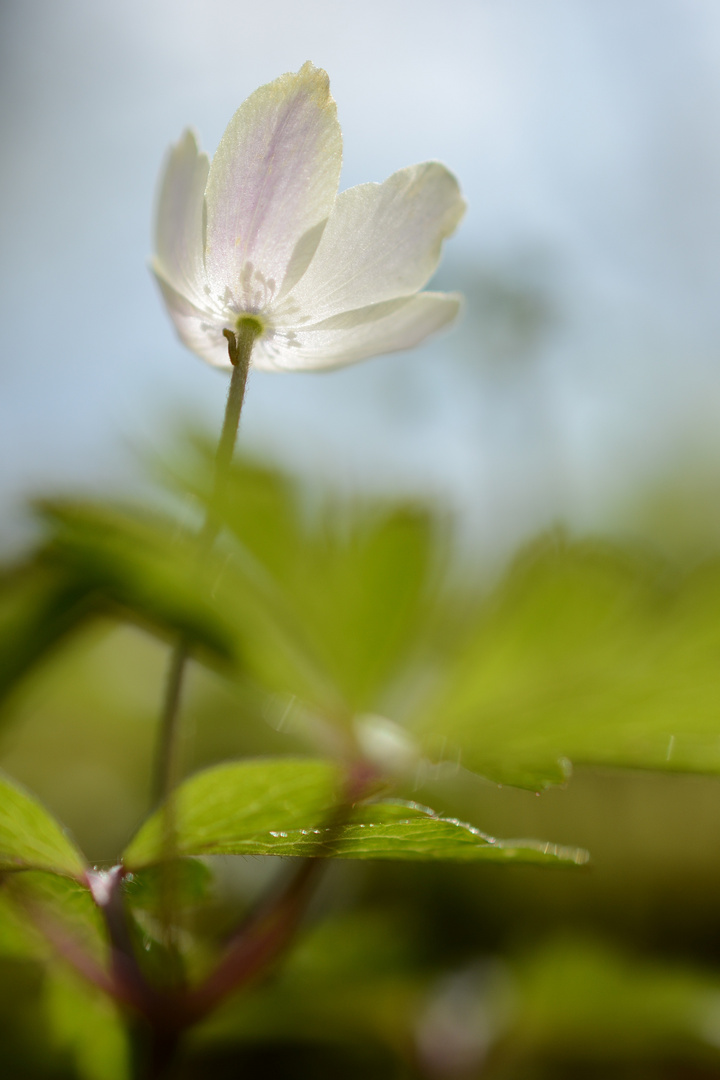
240	357
166	771
166	774
166	760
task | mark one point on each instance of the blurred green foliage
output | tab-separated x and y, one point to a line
588	652
328	630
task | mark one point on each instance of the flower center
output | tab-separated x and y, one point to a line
252	324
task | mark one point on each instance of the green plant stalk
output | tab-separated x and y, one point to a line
166	773
166	770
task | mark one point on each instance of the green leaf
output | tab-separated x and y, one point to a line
285	807
365	588
57	909
141	565
190	882
34	903
406	830
323	607
348	583
589	653
39	607
31	839
223	810
17	938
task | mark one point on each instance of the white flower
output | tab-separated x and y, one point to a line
261	232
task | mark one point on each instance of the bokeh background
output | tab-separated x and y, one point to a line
585	136
581	387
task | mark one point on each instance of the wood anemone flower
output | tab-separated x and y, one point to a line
260	234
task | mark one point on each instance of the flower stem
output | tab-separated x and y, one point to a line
166	774
166	771
240	352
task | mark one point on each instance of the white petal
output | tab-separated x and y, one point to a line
273	179
380	241
354	335
179	225
198	330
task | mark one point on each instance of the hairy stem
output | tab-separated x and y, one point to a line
166	773
166	769
166	761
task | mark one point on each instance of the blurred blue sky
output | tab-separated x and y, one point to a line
586	136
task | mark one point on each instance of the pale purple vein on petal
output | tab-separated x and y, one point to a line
274	178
